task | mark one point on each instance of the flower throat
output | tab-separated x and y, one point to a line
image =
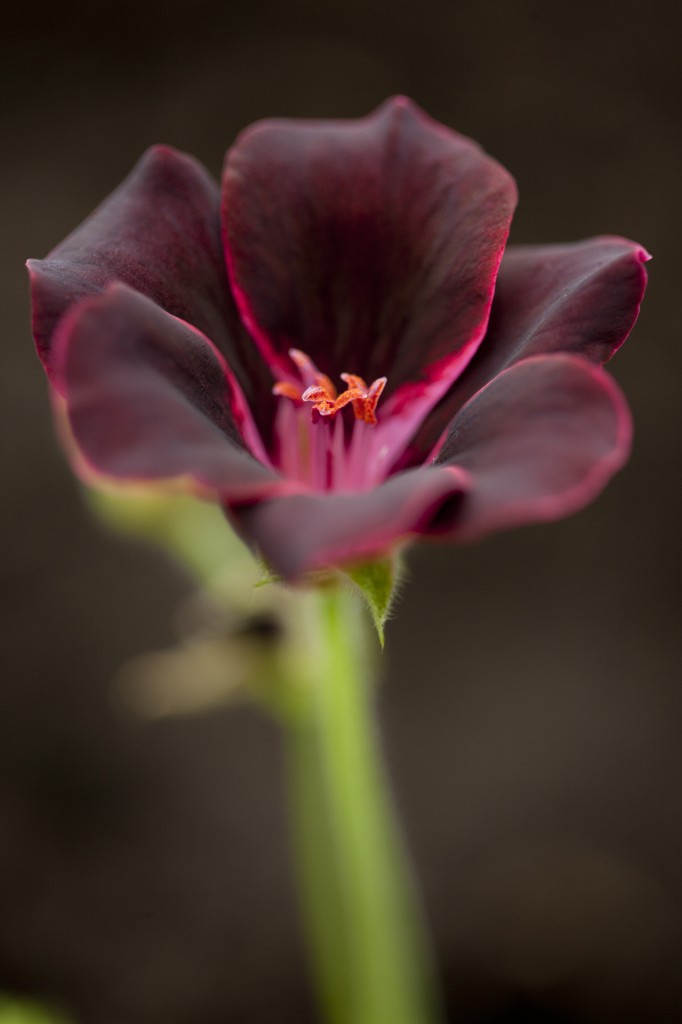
314	446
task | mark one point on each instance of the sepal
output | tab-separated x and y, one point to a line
378	582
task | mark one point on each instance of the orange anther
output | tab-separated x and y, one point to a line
303	362
373	396
285	389
321	399
322	394
310	373
353	381
349	395
365	404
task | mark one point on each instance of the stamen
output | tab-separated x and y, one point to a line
321	399
372	399
285	389
325	404
358	384
364	405
310	373
321	393
316	447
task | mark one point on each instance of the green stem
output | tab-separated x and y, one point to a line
364	928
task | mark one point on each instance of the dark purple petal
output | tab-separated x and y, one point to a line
582	298
159	233
537	443
150	398
302	532
373	245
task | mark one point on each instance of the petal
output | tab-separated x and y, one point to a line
299	533
538	442
149	398
582	298
159	232
373	245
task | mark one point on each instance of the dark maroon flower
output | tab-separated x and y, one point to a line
338	351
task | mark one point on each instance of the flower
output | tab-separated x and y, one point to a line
339	349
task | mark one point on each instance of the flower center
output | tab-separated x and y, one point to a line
314	445
324	396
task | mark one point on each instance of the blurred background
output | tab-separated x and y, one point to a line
532	697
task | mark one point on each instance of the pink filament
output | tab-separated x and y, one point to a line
323	454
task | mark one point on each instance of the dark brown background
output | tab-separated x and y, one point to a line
532	704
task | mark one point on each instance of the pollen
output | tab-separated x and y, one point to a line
366	399
285	389
318	390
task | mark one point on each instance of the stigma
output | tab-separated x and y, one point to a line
319	391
